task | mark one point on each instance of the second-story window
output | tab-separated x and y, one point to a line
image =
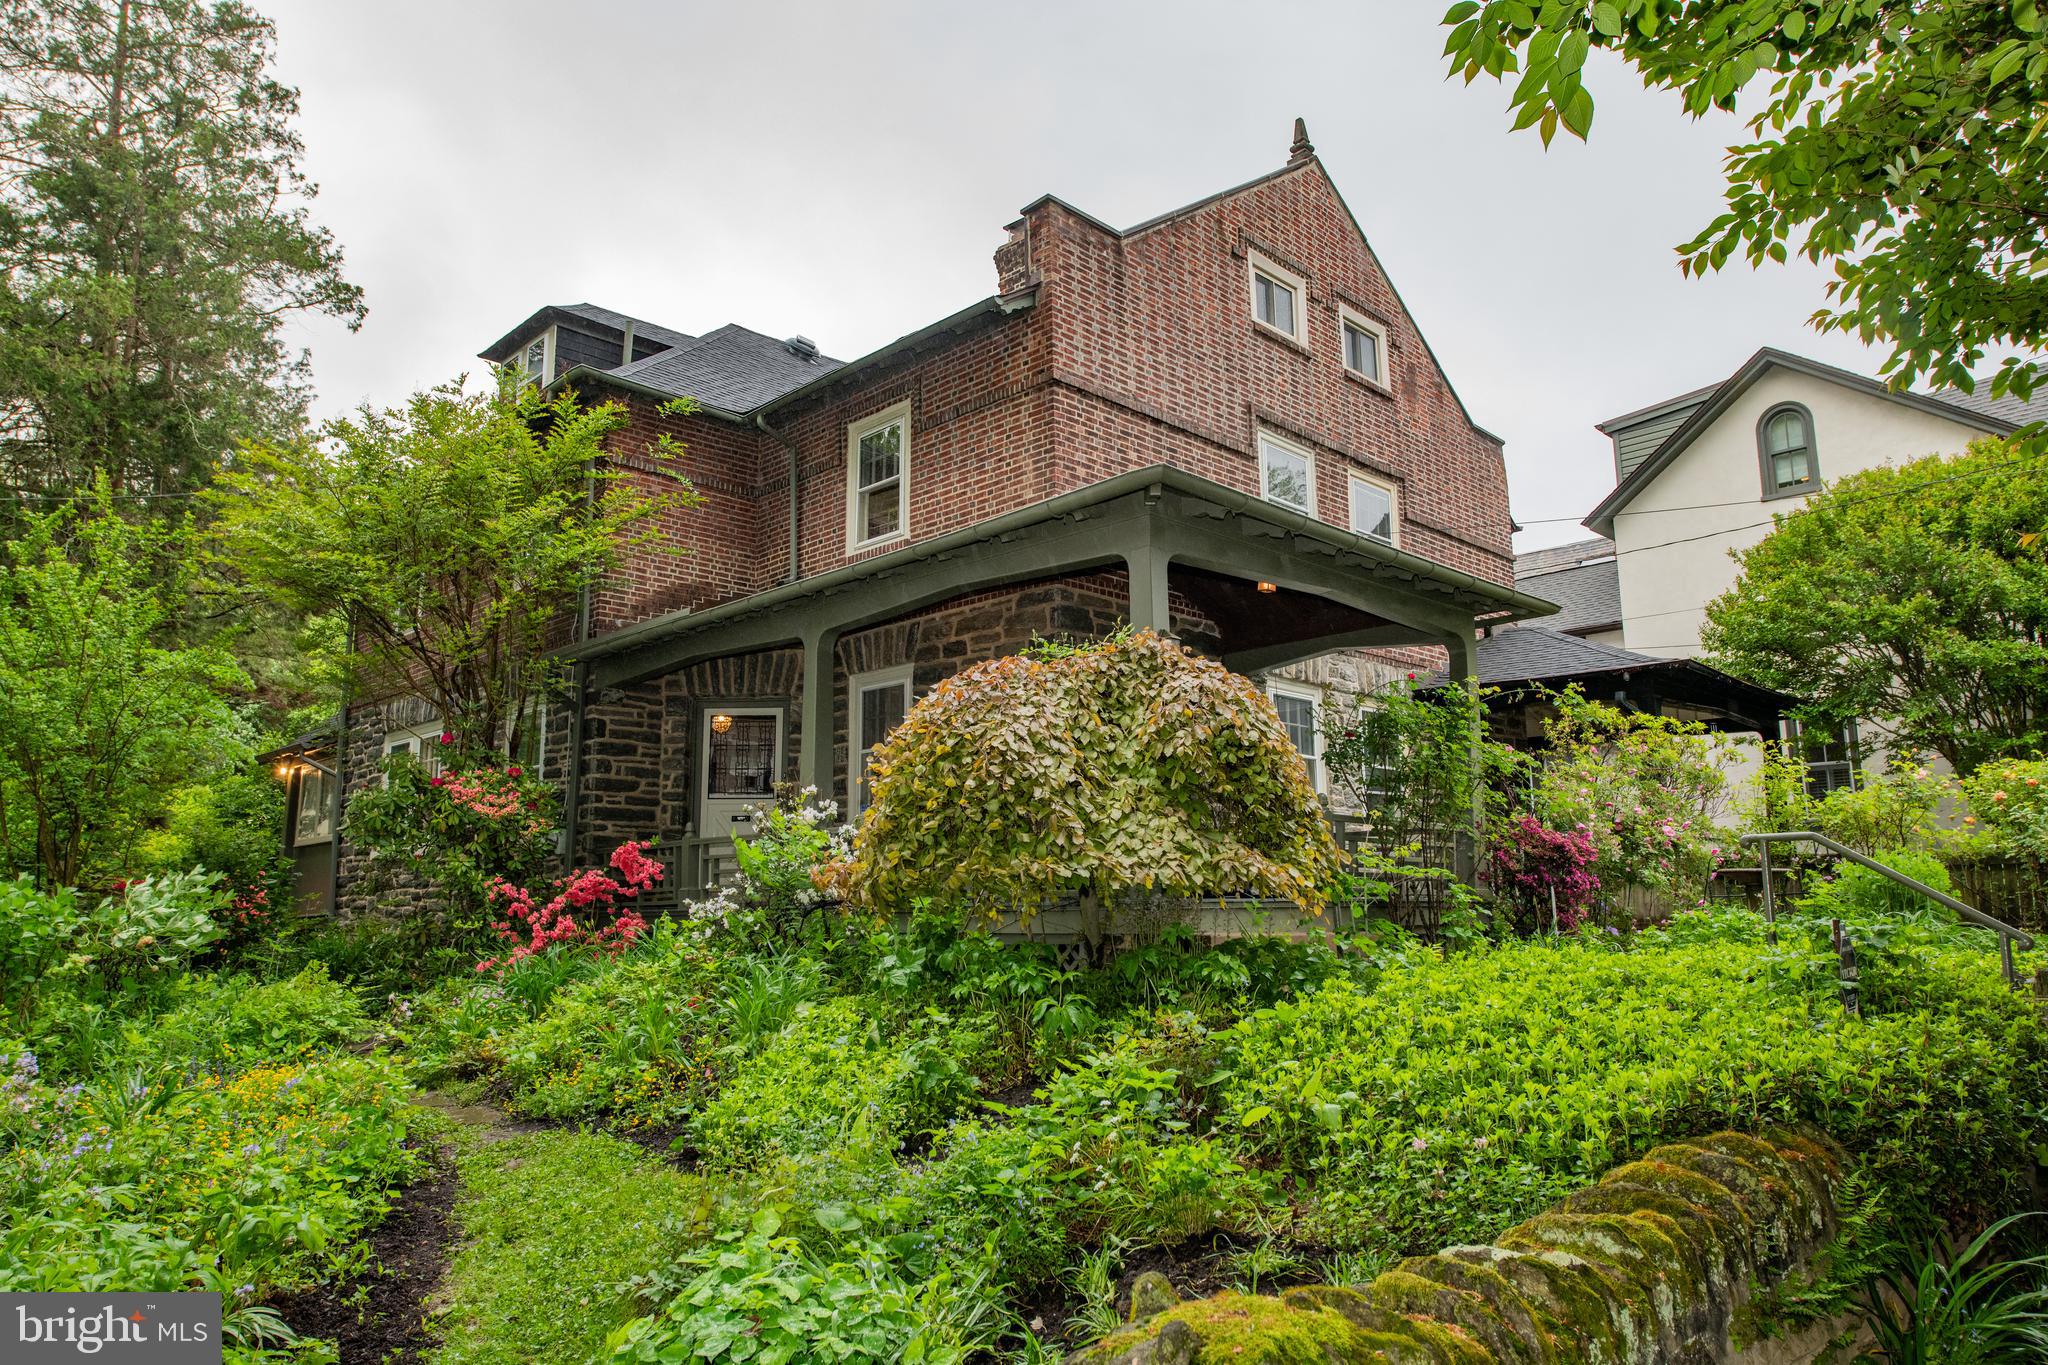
532	360
1365	347
877	473
1279	298
1372	508
1287	473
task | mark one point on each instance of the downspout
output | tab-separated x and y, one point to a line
579	691
340	799
761	421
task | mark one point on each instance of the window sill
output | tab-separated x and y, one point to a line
1366	381
858	547
1804	490
1274	334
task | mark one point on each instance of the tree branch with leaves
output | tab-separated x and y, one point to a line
452	535
1899	141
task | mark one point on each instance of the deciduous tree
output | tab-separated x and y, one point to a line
102	711
1916	596
1900	141
448	534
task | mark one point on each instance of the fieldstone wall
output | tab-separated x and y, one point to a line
366	885
1651	1266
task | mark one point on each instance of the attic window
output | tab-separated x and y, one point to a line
877	477
532	361
1365	347
1785	450
1279	298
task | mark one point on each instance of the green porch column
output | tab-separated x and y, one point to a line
1150	606
1462	672
814	755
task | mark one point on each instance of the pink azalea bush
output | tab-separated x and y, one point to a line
593	908
1532	861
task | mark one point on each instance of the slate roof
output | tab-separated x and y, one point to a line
730	368
1533	653
2017	411
650	331
1582	578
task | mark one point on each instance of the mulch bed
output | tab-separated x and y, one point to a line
378	1317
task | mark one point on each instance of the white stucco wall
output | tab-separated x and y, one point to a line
1666	586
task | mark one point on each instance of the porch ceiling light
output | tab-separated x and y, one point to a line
1269	587
721	723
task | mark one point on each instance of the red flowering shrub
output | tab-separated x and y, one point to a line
465	828
587	909
1532	862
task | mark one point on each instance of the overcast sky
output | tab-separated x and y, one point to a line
845	170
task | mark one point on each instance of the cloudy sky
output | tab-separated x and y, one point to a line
845	170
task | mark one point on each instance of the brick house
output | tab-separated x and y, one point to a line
1221	423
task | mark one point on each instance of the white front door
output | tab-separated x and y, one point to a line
739	760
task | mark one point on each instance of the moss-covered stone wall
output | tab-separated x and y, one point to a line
1648	1267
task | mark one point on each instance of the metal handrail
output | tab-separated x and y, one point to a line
2007	934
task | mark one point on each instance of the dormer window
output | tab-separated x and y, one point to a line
1279	298
1287	473
1365	347
532	362
1785	450
878	477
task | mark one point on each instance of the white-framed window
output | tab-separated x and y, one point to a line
1287	473
1279	298
1372	509
876	704
1365	346
422	741
1785	451
535	361
878	477
1301	716
313	821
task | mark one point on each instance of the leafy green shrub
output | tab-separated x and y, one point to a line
232	1021
1133	766
830	1079
2010	801
638	1036
228	824
1461	1095
757	1295
235	1185
1641	787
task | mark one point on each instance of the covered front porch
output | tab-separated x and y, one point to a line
674	723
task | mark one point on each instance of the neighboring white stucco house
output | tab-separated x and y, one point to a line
1699	476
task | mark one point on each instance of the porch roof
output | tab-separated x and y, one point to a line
1148	519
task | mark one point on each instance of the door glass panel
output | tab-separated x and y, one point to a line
742	759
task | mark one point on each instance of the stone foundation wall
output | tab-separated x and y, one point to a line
1651	1266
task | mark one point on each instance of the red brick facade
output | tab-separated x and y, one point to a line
1140	350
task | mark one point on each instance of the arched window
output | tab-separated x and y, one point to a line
1785	448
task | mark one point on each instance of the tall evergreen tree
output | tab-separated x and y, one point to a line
154	240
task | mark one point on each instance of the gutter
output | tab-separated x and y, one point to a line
1066	504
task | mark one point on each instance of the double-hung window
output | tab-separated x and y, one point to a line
1365	346
1785	448
1298	708
878	477
1287	473
1279	299
1372	508
880	702
422	742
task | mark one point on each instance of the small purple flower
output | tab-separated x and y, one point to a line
1418	1145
